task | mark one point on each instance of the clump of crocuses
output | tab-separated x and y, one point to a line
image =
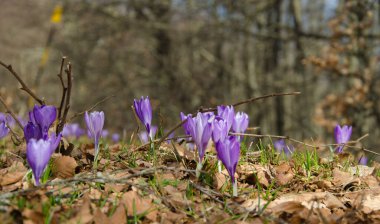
38	153
72	130
95	123
342	136
282	147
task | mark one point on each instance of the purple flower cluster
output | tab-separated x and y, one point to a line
206	126
282	147
40	146
72	130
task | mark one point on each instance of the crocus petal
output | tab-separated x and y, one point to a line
4	130
228	152
45	117
227	113
95	123
240	123
342	136
32	131
143	111
38	153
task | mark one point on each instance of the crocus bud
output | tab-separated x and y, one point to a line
32	131
228	152
219	129
38	153
95	123
44	116
4	130
143	111
228	114
201	130
342	136
240	123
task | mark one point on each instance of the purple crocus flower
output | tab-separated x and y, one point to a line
240	123
185	125
228	114
281	146
363	160
144	136
342	136
44	116
74	129
201	130
95	123
219	129
105	133
228	152
4	130
38	153
32	130
143	110
115	137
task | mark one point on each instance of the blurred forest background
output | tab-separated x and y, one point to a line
190	53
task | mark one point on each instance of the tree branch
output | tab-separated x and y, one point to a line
23	85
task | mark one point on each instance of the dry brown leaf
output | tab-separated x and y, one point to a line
119	215
341	178
171	217
361	170
64	167
137	205
12	174
371	181
84	215
185	153
310	200
220	179
101	218
33	216
284	174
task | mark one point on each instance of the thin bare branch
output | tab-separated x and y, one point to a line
9	111
91	108
23	85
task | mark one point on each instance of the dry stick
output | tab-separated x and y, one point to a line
252	100
236	104
23	85
64	88
347	144
91	108
62	121
9	111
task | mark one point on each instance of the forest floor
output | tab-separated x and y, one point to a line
131	185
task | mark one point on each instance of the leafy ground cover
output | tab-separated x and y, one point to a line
51	176
131	185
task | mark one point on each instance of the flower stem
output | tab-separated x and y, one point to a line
234	189
219	166
198	169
